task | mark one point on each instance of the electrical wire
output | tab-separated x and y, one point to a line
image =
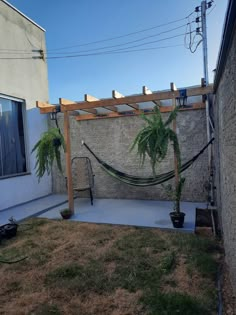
123	44
107	47
213	8
112	51
124	50
125	35
104	40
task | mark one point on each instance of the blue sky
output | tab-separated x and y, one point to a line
77	22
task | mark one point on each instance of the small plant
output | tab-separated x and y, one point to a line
66	213
47	150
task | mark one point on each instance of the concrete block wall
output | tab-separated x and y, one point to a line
225	153
111	140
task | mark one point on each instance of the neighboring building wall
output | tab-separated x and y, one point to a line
225	157
27	80
111	140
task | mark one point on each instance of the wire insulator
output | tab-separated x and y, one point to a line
209	4
198	29
197	9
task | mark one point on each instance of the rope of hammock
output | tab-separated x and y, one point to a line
144	181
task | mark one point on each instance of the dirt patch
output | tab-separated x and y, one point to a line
182	281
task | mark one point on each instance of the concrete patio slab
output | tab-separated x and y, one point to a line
32	208
143	213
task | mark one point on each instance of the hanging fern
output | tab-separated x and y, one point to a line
47	150
154	138
153	141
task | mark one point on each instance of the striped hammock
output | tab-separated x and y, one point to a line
144	181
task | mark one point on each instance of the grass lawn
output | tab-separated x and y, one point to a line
89	269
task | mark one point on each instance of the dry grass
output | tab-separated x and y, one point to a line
88	269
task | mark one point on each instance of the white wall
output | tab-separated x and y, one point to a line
27	80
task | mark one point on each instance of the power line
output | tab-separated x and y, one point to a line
126	43
125	35
103	53
111	51
80	54
102	48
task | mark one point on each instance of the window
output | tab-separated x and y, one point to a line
12	143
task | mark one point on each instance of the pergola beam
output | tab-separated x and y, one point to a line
90	98
147	91
136	99
163	109
64	101
117	95
45	108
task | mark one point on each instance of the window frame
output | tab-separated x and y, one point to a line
23	111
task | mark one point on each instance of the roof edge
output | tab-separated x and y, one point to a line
22	14
227	37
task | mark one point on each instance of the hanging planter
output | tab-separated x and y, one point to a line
48	150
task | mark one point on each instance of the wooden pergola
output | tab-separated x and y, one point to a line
91	104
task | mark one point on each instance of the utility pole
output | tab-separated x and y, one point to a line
204	40
205	67
204	7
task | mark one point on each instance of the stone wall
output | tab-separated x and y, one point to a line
111	139
225	156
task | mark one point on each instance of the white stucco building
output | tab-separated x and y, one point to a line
23	80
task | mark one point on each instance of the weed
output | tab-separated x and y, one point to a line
168	263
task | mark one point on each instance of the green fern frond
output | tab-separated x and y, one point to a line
47	150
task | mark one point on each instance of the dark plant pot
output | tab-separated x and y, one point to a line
8	230
177	219
66	216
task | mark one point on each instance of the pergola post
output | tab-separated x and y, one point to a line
68	161
174	126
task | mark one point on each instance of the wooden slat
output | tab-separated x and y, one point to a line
147	91
116	95
45	108
134	99
163	109
64	101
90	98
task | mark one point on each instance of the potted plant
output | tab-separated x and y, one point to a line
66	213
177	217
47	150
153	140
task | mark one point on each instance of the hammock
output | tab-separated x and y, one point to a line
144	181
